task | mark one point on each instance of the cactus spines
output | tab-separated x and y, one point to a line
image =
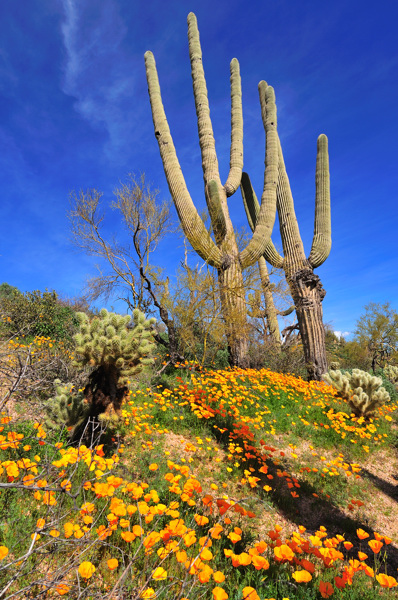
223	253
66	409
118	350
322	240
363	391
305	287
391	373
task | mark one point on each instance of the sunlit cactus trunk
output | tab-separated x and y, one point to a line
233	305
305	287
307	293
222	251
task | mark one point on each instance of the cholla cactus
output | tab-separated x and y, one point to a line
118	350
362	390
391	373
66	408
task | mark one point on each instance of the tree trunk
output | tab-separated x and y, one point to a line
308	293
102	391
233	306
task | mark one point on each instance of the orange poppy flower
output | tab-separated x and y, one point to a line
386	580
362	534
218	577
308	565
181	556
259	562
159	574
283	552
86	569
387	540
340	582
62	589
206	554
326	589
302	576
3	552
112	563
375	545
201	520
219	593
128	536
249	593
244	559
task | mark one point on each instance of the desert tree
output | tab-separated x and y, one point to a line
377	330
127	268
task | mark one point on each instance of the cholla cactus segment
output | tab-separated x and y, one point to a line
67	408
115	340
363	391
391	373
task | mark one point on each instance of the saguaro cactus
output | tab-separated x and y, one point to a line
270	312
222	253
305	287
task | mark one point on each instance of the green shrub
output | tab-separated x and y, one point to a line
37	314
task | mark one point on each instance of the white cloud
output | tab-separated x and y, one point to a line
341	334
98	72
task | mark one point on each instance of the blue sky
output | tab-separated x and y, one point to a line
75	114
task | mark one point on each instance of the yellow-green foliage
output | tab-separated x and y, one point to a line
111	340
362	390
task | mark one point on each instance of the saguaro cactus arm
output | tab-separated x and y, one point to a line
290	233
266	216
288	311
216	213
236	155
252	209
205	128
191	222
322	240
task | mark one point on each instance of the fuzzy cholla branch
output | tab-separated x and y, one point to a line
391	373
362	391
66	408
113	341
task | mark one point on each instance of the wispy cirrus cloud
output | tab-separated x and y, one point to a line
98	71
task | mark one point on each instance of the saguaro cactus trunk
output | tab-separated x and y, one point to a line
222	253
305	287
270	312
